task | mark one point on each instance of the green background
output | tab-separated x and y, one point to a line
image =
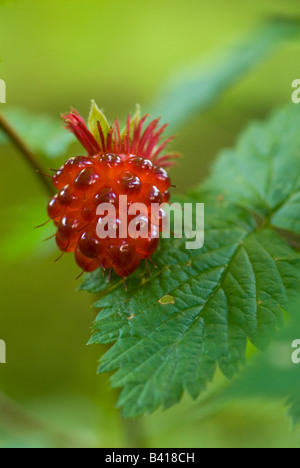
58	54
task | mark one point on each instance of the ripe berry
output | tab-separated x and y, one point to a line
127	163
106	195
69	226
85	263
55	209
89	245
71	167
129	184
86	179
121	252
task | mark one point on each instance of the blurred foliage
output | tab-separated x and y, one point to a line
25	218
44	135
271	375
194	91
55	59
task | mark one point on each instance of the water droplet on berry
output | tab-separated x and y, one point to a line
129	183
60	179
69	227
78	162
139	165
65	245
166	196
106	195
69	171
89	245
55	208
66	195
86	264
162	179
129	269
121	252
88	211
154	195
147	247
86	179
110	160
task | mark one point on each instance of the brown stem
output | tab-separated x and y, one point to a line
26	152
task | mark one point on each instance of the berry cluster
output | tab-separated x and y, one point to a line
116	164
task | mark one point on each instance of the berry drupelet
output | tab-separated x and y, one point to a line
117	163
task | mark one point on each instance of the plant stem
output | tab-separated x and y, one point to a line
26	153
134	433
20	422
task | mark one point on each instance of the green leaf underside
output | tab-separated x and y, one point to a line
232	290
191	93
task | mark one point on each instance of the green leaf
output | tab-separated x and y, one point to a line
96	115
199	87
43	134
263	172
230	291
233	290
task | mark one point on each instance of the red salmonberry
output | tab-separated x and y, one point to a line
127	163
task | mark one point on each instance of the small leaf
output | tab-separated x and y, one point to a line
95	117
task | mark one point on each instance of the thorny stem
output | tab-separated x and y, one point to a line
26	153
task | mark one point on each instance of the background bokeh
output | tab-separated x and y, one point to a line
57	54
